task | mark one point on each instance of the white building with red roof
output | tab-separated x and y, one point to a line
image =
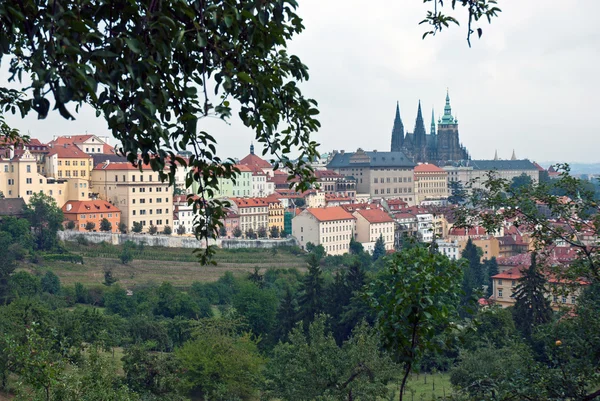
253	213
370	225
88	143
332	227
256	163
431	183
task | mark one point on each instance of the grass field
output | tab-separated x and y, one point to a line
426	387
154	264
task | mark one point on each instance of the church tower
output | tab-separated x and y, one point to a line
432	129
449	147
397	132
420	141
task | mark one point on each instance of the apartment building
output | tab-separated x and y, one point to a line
378	174
255	163
88	143
19	178
476	171
8	148
431	183
370	225
276	213
140	195
68	161
332	227
93	211
253	213
449	248
183	215
242	187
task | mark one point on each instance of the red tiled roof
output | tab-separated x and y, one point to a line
249	202
330	213
97	206
121	166
107	149
243	168
336	198
375	216
428	168
327	174
69	152
253	160
475	231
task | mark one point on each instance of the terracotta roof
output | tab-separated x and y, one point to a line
253	160
292	193
106	148
337	198
249	202
428	168
11	206
330	213
243	168
375	216
69	152
475	231
351	207
327	174
69	139
120	166
96	206
405	216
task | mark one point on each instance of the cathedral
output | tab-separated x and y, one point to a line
436	147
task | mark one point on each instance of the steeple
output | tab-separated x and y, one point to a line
513	157
447	117
251	148
419	132
432	130
496	155
397	132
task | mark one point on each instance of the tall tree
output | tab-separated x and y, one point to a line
415	299
491	268
286	316
458	194
379	250
45	218
532	307
474	277
105	225
311	296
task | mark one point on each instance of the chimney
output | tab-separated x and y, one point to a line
342	151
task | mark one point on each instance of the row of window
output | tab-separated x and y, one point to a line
133	178
389	180
158	222
72	173
396	191
158	200
93	216
158	189
75	163
334	238
143	211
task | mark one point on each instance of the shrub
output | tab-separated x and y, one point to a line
152	229
82	240
137	227
167	230
70	225
105	225
181	230
82	294
89	226
122	228
50	283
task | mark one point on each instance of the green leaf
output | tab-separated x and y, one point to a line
245	77
134	45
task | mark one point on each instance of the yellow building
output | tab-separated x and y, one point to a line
332	227
276	212
19	179
431	182
68	161
253	213
141	196
489	245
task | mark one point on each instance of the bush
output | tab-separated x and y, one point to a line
82	240
105	225
70	225
152	229
137	227
23	284
89	226
122	228
50	283
167	230
64	257
18	252
82	294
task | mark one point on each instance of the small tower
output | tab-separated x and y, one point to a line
496	155
252	148
432	129
513	157
397	132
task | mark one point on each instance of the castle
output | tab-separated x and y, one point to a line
436	147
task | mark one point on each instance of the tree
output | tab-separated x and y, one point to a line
45	218
70	225
262	232
286	316
137	227
126	255
379	250
458	194
250	234
220	366
274	232
90	226
105	225
311	296
491	267
356	248
109	279
532	308
522	181
237	232
7	266
50	283
312	366
222	231
123	228
258	306
152	229
167	230
181	230
474	276
22	284
416	299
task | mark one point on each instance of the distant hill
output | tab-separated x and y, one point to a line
577	168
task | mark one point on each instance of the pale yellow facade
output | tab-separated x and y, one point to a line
140	196
367	232
276	212
560	297
334	234
430	185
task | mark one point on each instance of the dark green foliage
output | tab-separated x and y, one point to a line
152	229
356	247
237	232
257	306
532	308
458	194
90	226
491	269
317	250
222	231
50	283
311	297
474	277
250	234
118	302
262	232
379	250
522	181
286	316
171	303
105	225
82	294
137	227
167	230
122	228
126	255
82	240
274	232
109	278
22	284
70	225
45	218
415	299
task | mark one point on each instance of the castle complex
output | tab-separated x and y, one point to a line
435	147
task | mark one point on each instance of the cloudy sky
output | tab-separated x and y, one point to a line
531	83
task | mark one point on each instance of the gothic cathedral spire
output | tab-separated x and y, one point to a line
432	130
419	132
397	132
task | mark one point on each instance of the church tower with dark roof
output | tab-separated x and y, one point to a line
397	132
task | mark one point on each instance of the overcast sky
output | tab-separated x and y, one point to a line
530	83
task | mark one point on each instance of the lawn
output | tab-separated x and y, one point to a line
153	264
425	387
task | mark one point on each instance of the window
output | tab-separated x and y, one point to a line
499	282
11	181
116	178
375	180
60	162
124	178
28	168
75	163
142	200
500	293
133	201
29	192
6	168
141	178
134	212
83	173
133	178
29	180
132	189
513	283
564	300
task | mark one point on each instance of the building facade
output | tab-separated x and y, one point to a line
378	174
92	211
253	213
332	227
431	182
370	225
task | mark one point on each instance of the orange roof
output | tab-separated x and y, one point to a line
120	166
374	216
249	202
330	213
68	152
97	206
69	140
243	168
428	168
253	160
106	148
